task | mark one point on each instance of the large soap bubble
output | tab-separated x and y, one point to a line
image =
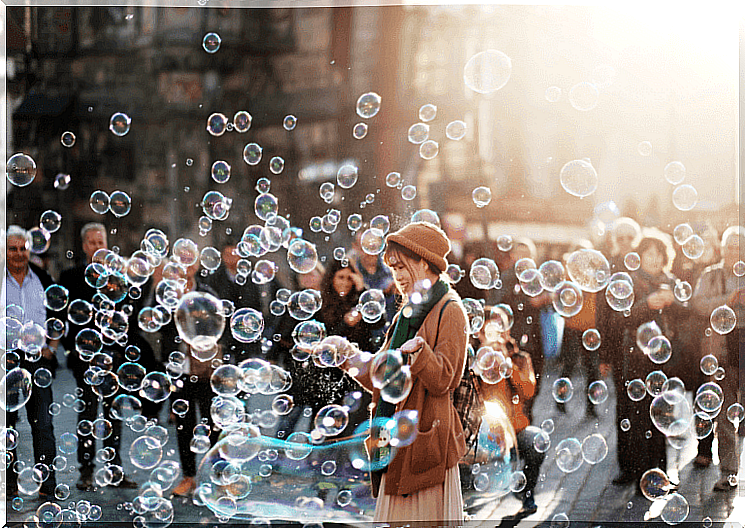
671	414
579	178
584	96
723	319
15	389
246	325
20	169
569	455
368	105
567	299
487	71
199	319
484	274
302	256
589	269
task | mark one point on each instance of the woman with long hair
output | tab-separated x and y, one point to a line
420	481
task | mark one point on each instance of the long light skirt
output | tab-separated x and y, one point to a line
442	502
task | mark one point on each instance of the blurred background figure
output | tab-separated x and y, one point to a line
720	285
375	275
24	292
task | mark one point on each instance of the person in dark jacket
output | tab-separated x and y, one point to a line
24	286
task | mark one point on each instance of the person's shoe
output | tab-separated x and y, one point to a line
127	484
702	461
85	482
623	478
529	507
562	407
723	484
186	487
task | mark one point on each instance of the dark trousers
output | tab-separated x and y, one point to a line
198	394
574	353
531	458
87	444
42	434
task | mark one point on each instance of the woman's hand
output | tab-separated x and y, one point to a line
414	344
352	317
359	282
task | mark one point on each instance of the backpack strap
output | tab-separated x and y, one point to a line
440	319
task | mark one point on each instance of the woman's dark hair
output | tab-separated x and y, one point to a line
661	244
394	248
334	306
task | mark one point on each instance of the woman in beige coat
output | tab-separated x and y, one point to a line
420	481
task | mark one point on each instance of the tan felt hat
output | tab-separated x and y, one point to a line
426	240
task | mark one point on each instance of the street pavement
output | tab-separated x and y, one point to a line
586	496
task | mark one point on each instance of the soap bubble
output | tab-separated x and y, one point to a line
120	204
347	176
185	252
99	202
429	149
225	380
484	274
51	221
675	510
20	169
427	112
210	258
80	312
331	420
145	452
552	94
594	448
682	232
551	273
199	320
685	197
42	377
709	364
266	206
659	349
597	392
131	376
67	139
368	105
644	148
620	292
56	297
588	269
252	153
579	178
302	256
62	181
487	71
709	397
211	42
682	291
289	122
562	390
418	133
220	171
675	172
40	240
723	319
654	382
671	414
518	481
541	442
326	190
654	484
372	241
282	404
246	325
583	96
16	385
119	124
359	131
569	455
625	425
408	192
456	130
481	196
636	389
156	387
501	316
735	414
567	299
632	261
694	247
242	121
644	333
393	179
299	446
276	165
591	339
475	315
702	425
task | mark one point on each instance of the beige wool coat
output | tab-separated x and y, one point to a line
436	372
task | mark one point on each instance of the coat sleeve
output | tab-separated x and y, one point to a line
708	295
440	369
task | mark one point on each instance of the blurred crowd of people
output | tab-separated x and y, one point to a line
540	340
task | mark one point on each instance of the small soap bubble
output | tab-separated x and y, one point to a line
67	139
579	178
393	179
368	105
347	176
429	149
51	221
694	247
683	291
625	425
418	133
481	196
456	130
408	192
276	165
427	112
562	390
553	94
211	42
723	319
120	203
487	71
217	124
632	261
242	121
739	268
591	339
220	171
119	124
359	131
62	181
289	122
644	148
685	197
675	172
584	96
682	232
252	154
